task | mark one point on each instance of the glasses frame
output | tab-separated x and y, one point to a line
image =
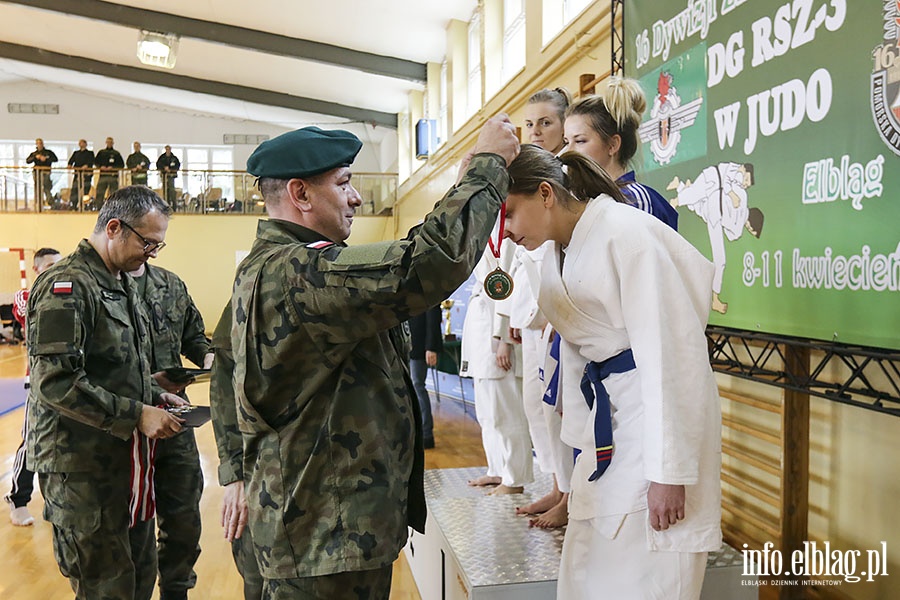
149	246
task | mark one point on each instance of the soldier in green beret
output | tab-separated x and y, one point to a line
332	434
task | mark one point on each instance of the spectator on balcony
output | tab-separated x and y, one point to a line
82	161
168	165
42	159
110	163
138	162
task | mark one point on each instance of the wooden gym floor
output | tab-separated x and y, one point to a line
28	569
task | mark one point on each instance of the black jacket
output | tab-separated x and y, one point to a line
425	333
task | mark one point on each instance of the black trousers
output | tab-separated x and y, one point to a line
22	478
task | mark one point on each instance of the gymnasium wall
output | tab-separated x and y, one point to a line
201	249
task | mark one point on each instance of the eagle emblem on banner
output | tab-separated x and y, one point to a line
668	117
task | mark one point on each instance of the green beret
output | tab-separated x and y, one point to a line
303	153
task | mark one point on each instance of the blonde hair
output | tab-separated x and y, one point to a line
559	97
617	111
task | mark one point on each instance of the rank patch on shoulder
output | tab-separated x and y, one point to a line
62	287
320	245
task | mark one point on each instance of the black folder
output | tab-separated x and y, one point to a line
182	374
193	415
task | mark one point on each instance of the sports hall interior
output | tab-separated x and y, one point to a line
796	466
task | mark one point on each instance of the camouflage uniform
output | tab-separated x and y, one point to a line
177	329
90	377
230	445
330	422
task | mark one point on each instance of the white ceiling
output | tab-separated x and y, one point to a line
412	30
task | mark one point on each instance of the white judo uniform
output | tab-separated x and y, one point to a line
498	393
628	281
544	420
718	197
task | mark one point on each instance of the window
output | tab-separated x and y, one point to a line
473	96
7	154
513	38
558	14
223	160
572	8
443	116
199	160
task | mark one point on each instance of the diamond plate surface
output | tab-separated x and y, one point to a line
492	544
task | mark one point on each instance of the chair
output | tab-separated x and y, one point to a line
212	197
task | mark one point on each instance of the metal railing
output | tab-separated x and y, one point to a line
26	189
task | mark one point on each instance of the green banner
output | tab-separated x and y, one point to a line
774	127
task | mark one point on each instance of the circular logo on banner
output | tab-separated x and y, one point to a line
885	82
498	285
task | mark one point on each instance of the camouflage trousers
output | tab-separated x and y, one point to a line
374	584
92	543
245	561
179	484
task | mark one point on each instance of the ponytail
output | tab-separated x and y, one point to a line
559	98
574	177
617	111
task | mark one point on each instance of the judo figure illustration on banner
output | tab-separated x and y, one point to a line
719	196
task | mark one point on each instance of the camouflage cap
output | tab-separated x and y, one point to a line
303	153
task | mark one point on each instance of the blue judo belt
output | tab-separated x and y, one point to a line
553	387
592	388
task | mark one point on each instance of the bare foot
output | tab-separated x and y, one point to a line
485	480
505	489
557	516
718	305
541	506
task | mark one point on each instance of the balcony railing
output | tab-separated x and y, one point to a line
23	189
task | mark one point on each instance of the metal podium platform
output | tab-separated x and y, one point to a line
476	548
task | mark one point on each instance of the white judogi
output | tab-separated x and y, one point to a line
718	197
498	393
629	281
544	421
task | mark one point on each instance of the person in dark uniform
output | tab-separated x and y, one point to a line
177	330
82	161
138	163
333	461
168	165
92	410
42	159
110	163
426	343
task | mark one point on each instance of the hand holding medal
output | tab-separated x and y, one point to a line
498	285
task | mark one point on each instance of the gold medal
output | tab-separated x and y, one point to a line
498	285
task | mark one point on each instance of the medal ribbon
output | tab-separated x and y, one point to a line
496	250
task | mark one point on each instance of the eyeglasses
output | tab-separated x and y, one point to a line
149	246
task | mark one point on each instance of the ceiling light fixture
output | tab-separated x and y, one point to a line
157	49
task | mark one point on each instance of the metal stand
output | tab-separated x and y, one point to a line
865	377
617	31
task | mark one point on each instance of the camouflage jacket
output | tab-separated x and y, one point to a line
222	405
176	326
331	427
90	377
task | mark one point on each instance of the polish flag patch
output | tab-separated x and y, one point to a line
62	287
320	245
